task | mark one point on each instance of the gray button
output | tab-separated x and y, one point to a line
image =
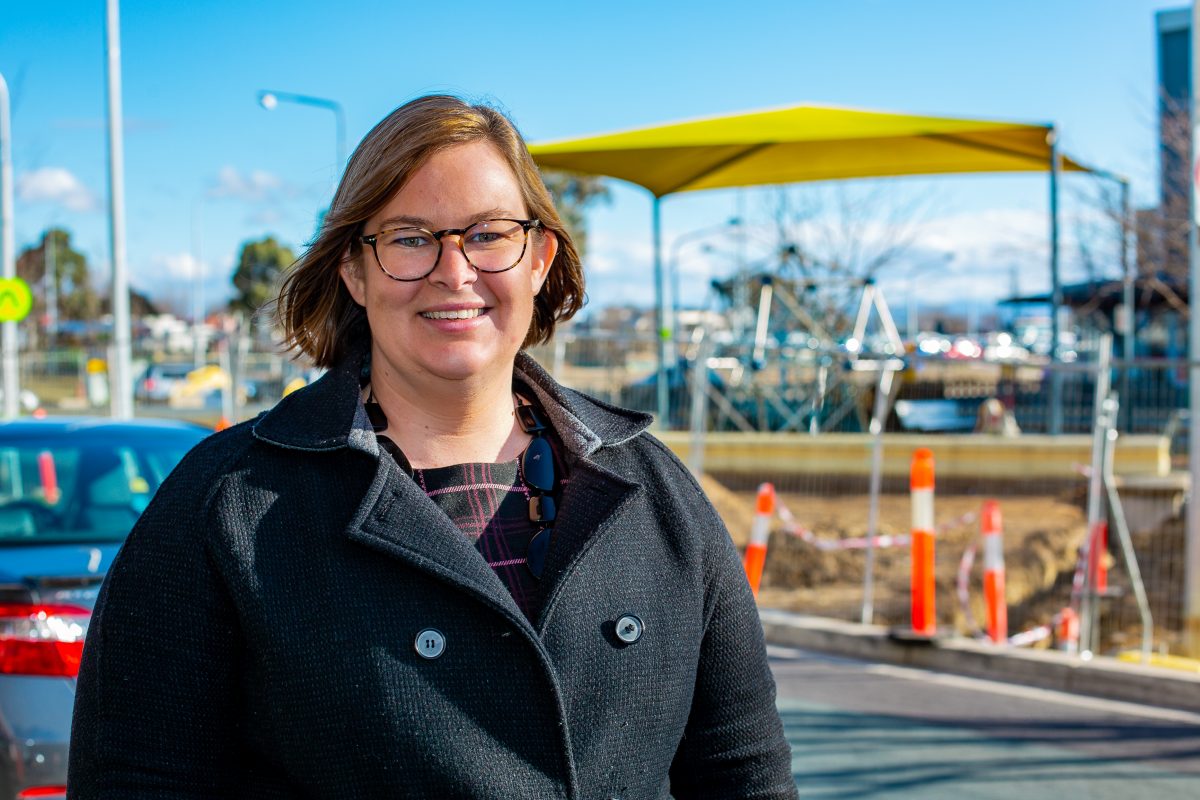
629	629
430	643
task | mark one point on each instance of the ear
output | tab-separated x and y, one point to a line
352	276
545	248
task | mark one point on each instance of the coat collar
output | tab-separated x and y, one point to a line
329	415
397	518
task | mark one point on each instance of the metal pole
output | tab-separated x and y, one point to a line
1118	519
119	371
199	341
699	409
8	252
662	328
1191	590
1056	293
1129	334
883	394
1088	601
51	252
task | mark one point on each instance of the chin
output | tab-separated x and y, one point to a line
461	366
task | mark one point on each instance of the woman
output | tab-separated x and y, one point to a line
435	572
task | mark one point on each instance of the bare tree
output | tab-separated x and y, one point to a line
822	242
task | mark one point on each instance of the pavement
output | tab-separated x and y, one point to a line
1098	676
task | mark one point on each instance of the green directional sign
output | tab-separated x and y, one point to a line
15	299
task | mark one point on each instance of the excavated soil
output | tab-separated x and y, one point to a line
1042	534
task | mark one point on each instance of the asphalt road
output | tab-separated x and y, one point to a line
869	730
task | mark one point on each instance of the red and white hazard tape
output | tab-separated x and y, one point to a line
791	526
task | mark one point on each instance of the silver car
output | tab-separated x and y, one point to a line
70	491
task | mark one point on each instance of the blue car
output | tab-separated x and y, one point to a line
70	491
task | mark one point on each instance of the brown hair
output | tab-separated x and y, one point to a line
317	313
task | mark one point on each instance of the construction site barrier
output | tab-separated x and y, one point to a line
760	533
992	527
924	612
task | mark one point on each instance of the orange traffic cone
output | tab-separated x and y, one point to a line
222	423
760	532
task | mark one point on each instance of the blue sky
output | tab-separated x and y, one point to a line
207	168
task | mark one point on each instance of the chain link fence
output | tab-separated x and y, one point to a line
801	418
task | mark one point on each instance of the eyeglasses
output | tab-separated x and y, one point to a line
410	254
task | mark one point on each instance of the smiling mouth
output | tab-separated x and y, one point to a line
462	313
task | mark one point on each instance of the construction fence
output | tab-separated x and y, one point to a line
1021	431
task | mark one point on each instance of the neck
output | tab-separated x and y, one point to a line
438	423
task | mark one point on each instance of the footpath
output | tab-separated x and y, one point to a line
1099	676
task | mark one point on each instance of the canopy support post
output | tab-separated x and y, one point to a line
1056	293
662	323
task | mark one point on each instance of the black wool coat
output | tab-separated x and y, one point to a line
258	634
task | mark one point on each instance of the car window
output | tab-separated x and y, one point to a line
87	492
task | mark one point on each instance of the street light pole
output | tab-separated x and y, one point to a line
677	246
121	378
7	251
270	100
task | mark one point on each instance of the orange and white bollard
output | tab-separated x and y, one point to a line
924	613
1066	629
992	528
760	532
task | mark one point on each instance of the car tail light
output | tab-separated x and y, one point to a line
148	385
44	792
41	639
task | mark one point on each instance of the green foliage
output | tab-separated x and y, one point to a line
573	193
76	297
256	277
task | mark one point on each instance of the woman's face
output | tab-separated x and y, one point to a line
413	334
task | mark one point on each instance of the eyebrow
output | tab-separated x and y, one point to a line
405	221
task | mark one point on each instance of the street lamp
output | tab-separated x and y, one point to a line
271	99
677	245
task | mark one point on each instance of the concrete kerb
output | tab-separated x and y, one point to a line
1047	669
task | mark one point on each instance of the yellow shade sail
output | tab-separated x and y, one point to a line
804	143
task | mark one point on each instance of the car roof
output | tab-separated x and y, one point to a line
96	427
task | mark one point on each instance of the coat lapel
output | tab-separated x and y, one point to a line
590	509
397	518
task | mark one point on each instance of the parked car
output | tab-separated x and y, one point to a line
156	382
70	491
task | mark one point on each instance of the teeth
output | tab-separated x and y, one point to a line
464	313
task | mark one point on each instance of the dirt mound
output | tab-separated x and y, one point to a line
1041	537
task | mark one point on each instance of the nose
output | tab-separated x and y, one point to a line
452	269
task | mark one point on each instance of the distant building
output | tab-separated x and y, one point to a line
1174	90
1174	32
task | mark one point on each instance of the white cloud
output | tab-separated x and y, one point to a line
607	255
56	185
179	267
255	185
